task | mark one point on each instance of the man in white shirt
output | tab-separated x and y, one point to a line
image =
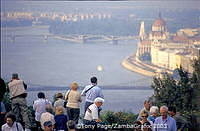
91	92
11	125
92	113
39	106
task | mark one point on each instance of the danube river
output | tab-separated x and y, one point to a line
47	65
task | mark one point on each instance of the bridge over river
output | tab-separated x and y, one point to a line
74	38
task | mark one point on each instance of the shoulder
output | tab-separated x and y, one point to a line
171	119
4	126
87	87
158	119
93	107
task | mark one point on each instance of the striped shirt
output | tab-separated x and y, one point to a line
92	93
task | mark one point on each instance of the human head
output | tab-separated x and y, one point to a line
59	110
15	76
10	119
147	105
98	101
172	111
48	126
154	111
163	111
144	115
41	95
93	80
74	86
71	124
59	95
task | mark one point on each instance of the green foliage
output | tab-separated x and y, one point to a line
110	117
116	119
183	93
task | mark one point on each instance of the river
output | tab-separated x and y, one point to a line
57	63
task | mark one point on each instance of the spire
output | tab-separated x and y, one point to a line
159	15
142	34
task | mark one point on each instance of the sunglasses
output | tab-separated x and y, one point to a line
144	116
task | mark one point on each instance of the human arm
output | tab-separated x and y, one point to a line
83	92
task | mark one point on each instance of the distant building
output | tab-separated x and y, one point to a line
169	51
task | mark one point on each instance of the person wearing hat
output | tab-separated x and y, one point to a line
48	126
91	92
59	100
92	113
17	89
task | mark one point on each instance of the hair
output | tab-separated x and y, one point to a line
93	79
71	124
154	109
144	112
11	116
59	110
172	108
15	76
41	95
74	85
59	95
146	101
164	107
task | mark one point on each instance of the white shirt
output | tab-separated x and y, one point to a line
46	117
39	107
5	127
91	113
92	93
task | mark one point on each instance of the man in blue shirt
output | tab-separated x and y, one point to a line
91	92
164	122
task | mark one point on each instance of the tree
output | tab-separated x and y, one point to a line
173	92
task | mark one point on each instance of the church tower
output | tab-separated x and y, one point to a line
142	33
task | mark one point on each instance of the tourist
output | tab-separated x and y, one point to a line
146	125
154	110
146	108
39	106
48	126
73	98
165	122
47	116
17	89
91	92
60	119
92	114
59	100
11	124
181	123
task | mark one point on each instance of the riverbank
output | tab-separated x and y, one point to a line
132	63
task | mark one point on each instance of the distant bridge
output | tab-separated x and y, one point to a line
75	38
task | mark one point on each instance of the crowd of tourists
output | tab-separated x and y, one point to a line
64	113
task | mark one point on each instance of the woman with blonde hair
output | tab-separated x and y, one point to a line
60	119
73	98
